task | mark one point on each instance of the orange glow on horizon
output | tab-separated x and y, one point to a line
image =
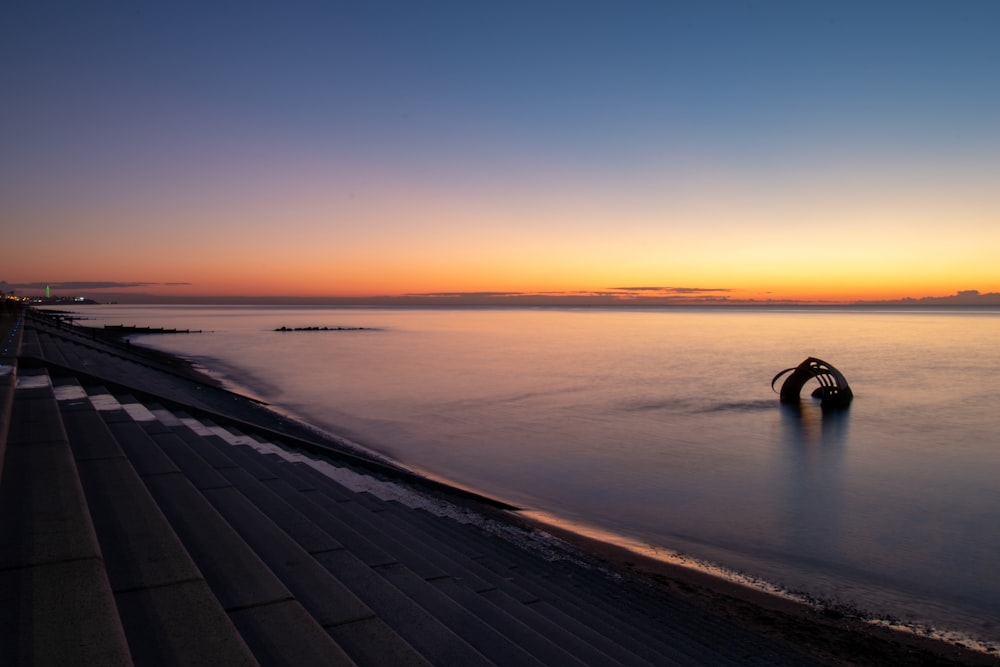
544	242
621	292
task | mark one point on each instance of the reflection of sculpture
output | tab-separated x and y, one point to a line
833	390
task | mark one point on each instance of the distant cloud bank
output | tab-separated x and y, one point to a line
608	296
971	297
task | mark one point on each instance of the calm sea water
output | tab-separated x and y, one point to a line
659	427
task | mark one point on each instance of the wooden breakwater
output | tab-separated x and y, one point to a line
322	329
125	329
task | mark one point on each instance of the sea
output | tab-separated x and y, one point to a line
659	429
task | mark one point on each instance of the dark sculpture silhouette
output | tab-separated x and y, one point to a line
833	390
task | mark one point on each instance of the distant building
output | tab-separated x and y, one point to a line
49	300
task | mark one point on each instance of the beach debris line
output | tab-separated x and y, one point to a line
833	390
323	329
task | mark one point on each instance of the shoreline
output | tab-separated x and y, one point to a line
830	635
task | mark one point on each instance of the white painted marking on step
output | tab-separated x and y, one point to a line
69	392
196	426
202	429
539	542
277	450
167	418
32	382
233	438
139	412
105	402
237	440
271	448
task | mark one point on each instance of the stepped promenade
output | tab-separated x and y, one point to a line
150	517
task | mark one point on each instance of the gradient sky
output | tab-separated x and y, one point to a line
799	150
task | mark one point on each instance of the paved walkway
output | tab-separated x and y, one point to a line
149	518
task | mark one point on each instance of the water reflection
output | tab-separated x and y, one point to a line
807	423
814	443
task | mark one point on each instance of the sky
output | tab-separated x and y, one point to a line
809	150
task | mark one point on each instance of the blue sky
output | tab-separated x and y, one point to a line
572	119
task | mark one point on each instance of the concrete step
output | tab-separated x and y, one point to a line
421	554
12	335
577	635
486	639
365	566
440	545
275	626
276	451
52	351
317	475
56	604
474	544
328	514
421	629
8	380
658	641
169	613
293	454
362	634
503	558
31	346
251	461
507	598
655	639
581	592
414	547
463	540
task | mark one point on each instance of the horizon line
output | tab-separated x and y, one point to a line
609	298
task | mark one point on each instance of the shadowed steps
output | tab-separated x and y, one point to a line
56	604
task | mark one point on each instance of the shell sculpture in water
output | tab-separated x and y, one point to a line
833	390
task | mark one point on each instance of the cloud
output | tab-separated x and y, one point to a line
464	295
970	297
608	296
669	294
672	290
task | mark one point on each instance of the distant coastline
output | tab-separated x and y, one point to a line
60	301
962	299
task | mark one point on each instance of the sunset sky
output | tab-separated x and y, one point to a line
801	150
